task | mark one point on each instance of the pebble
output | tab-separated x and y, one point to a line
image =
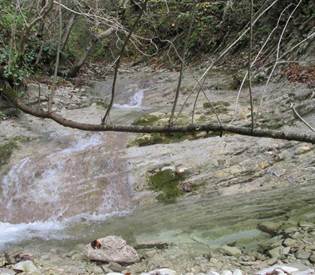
230	250
6	271
302	255
312	258
162	271
279	269
237	272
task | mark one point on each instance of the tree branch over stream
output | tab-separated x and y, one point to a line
246	131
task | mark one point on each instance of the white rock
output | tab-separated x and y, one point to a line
278	268
237	272
213	273
25	266
227	272
114	273
6	271
170	167
162	271
181	170
305	272
112	249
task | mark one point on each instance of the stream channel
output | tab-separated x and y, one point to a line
71	187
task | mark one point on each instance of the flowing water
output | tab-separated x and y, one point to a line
82	177
75	186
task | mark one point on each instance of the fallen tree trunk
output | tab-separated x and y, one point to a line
266	133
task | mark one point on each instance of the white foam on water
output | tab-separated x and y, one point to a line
10	233
83	144
135	102
49	230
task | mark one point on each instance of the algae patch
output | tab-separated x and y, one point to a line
7	149
167	183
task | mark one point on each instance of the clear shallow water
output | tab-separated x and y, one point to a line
46	192
201	222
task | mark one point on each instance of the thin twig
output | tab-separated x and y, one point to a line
278	52
117	65
224	52
182	66
301	118
255	60
250	64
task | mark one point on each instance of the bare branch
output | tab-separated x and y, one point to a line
250	64
117	64
180	78
293	136
301	118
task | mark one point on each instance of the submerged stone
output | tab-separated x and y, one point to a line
230	251
269	227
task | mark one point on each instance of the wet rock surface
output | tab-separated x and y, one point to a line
230	185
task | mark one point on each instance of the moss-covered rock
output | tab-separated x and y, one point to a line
6	151
148	119
7	148
166	182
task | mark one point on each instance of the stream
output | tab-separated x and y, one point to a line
76	179
69	187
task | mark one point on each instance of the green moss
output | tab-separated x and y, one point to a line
6	151
102	104
8	148
166	182
147	119
219	106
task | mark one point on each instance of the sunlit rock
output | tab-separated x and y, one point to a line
112	249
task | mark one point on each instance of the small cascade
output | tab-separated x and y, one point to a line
135	101
43	192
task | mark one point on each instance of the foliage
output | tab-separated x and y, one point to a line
214	25
13	68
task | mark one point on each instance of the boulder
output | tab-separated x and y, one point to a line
112	249
25	266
